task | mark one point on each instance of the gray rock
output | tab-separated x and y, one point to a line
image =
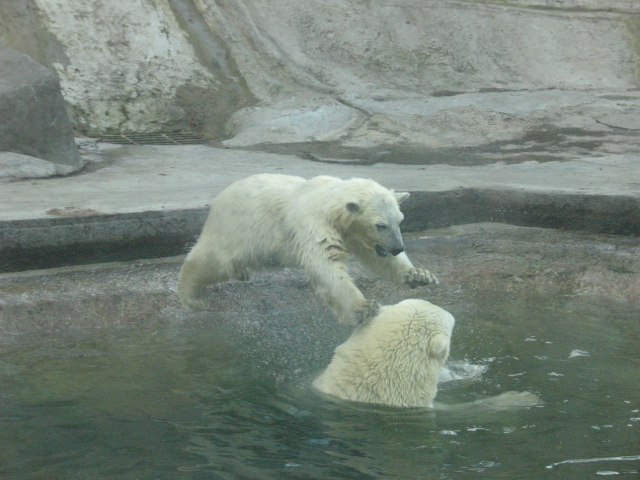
33	119
15	166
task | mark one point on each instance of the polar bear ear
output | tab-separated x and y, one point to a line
353	207
439	346
401	196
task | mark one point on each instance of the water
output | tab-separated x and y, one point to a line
226	396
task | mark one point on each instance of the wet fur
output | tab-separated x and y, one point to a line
393	360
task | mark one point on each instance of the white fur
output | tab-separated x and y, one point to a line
314	224
393	360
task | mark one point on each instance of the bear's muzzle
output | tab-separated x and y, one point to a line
383	252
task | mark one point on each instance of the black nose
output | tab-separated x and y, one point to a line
397	251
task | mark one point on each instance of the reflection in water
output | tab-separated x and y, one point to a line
626	458
220	396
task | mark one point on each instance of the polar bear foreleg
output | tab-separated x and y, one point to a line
333	284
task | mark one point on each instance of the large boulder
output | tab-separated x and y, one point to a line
33	118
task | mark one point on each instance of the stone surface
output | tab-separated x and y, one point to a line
140	66
15	166
521	112
151	201
33	118
357	74
490	261
432	75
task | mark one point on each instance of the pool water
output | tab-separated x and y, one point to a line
227	396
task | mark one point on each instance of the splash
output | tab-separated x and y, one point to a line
462	370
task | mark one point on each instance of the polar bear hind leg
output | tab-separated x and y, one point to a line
197	272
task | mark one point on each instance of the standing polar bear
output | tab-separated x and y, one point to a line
270	219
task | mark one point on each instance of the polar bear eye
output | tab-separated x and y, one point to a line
381	226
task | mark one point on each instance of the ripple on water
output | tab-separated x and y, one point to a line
227	396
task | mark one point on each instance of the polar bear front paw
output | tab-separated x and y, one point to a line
196	304
365	311
193	298
418	276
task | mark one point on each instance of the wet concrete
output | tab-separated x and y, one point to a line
488	260
543	145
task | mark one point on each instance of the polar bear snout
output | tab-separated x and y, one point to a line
383	252
389	242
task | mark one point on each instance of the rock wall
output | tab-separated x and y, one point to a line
269	71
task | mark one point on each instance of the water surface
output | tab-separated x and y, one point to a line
227	396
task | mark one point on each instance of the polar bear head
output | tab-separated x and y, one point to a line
393	360
374	216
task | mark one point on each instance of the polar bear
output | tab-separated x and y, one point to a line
396	360
271	219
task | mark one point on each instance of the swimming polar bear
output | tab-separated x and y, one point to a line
396	360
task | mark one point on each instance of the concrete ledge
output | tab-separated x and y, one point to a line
47	243
84	239
618	215
138	202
